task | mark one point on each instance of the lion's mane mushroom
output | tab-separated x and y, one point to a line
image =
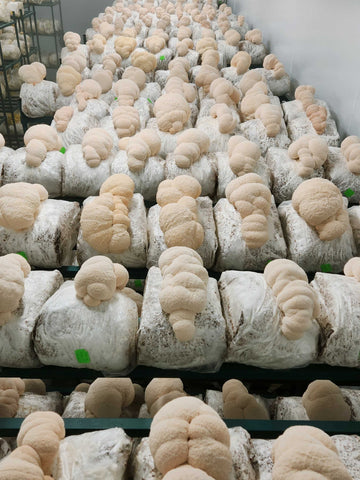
105	79
294	296
13	271
317	115
67	79
155	43
190	146
188	433
108	397
111	62
319	202
238	403
249	79
271	62
179	215
206	75
241	61
183	290
23	462
75	60
232	37
62	118
240	20
206	43
305	94
178	86
223	113
179	67
126	121
33	73
352	268
97	145
105	220
72	40
270	116
307	453
243	155
310	153
224	91
183	32
211	57
106	30
38	140
20	204
323	400
136	75
10	391
254	97
172	112
254	36
350	148
97	44
252	199
35	385
161	391
144	60
184	46
42	431
140	148
87	90
124	46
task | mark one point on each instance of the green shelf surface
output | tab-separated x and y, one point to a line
140	427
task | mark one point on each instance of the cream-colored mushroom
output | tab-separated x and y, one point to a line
352	268
21	463
107	397
184	46
178	86
241	61
232	37
249	79
179	67
155	43
20	204
106	30
294	296
38	140
211	57
254	97
76	60
254	36
97	145
323	401
319	202
226	120
310	152
271	62
206	43
127	92
305	94
161	391
172	112
243	155
105	79
124	46
317	115
140	148
223	91
67	79
72	41
190	146
144	60
350	148
205	76
239	404
33	73
111	62
271	116
252	199
87	90
170	191
62	118
126	121
97	44
136	75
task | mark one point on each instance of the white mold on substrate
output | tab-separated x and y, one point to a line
135	256
49	243
284	178
337	172
94	455
226	175
80	180
157	345
32	402
168	140
5	153
348	447
354	215
157	243
277	86
82	49
256	52
75	406
262	462
339	319
305	247
227	51
5	448
233	253
48	173
107	124
163	58
39	100
151	92
63	101
210	126
253	322
83	121
214	398
298	124
107	332
16	344
146	180
204	170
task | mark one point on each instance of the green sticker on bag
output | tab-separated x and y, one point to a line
326	268
115	98
82	356
349	193
138	283
162	57
62	150
149	100
23	254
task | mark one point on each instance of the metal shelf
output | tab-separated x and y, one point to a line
140	427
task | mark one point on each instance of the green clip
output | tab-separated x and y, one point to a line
162	57
82	356
23	254
326	267
149	100
62	150
349	193
115	98
138	283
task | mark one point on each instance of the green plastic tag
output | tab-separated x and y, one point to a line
82	356
162	57
138	283
348	193
23	254
62	150
326	267
149	100
115	98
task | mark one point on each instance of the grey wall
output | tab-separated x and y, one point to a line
318	41
77	14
